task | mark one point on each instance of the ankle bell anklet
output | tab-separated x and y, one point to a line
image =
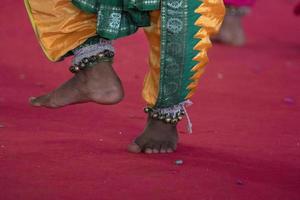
105	56
171	115
167	117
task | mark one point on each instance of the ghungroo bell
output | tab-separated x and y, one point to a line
105	56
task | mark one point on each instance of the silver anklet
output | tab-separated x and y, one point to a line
171	117
106	56
92	54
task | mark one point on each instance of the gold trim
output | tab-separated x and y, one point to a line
212	13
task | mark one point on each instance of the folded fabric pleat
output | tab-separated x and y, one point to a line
118	18
59	26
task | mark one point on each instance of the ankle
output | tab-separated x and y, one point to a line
109	96
157	124
114	95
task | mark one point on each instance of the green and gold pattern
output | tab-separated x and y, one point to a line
119	18
186	28
177	42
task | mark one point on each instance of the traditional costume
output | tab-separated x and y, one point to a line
178	32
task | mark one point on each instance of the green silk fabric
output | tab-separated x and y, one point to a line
118	18
177	53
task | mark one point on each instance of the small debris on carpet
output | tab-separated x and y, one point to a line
239	182
220	76
179	162
289	100
22	76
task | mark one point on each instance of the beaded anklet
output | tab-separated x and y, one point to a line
171	115
105	56
167	117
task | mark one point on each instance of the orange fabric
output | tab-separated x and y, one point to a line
151	82
60	26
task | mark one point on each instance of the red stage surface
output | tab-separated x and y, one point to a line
246	115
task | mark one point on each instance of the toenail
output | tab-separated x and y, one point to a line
170	150
134	148
32	98
179	162
155	151
163	151
148	151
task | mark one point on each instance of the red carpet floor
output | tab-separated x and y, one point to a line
246	115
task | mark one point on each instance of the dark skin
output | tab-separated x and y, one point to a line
100	84
158	137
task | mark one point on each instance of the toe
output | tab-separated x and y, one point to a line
33	101
164	148
148	148
156	147
171	147
148	151
155	151
170	150
163	151
39	101
134	148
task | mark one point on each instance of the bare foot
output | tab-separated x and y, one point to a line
98	84
158	137
232	32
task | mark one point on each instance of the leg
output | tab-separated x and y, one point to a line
173	80
232	31
157	137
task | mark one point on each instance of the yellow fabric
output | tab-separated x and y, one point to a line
59	26
151	82
212	13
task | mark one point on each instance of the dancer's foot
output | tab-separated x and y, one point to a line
98	84
158	137
232	32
